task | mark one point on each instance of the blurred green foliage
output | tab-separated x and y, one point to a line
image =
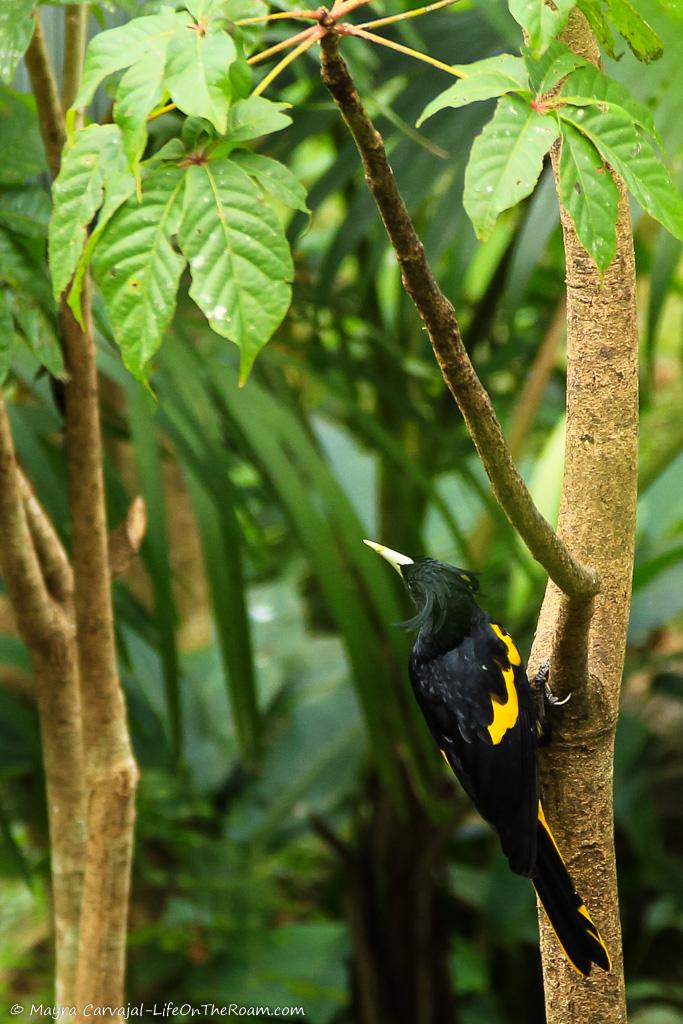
265	696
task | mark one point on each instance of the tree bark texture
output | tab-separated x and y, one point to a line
107	767
586	645
35	571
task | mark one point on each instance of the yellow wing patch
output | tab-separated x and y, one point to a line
505	713
514	657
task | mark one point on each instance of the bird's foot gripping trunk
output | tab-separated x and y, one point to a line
581	941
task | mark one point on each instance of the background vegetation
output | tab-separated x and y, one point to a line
255	629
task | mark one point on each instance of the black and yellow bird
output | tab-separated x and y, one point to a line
470	683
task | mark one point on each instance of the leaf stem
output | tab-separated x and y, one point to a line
162	110
317	32
416	12
283	45
354	30
279	15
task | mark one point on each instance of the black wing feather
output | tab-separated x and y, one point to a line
455	694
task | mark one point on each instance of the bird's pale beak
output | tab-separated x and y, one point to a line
394	558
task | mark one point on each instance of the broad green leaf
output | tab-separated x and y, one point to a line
23	155
16	29
273	177
256	116
40	332
592	11
95	157
197	73
551	67
541	21
590	195
6	335
482	80
618	140
26	210
139	92
506	161
137	267
22	265
235	10
588	86
144	38
640	36
120	186
238	254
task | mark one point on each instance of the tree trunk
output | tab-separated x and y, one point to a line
597	521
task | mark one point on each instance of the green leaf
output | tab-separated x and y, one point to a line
541	22
590	195
138	269
588	86
197	73
6	335
506	161
22	265
40	332
140	90
16	30
26	210
274	178
548	69
22	150
618	140
254	117
641	37
235	10
482	80
239	257
95	157
120	186
593	13
144	38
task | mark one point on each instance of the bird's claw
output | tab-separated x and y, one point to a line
555	702
546	701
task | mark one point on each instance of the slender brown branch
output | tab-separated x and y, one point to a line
75	37
49	637
50	114
525	413
442	326
53	559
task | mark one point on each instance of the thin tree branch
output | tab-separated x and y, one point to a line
442	326
75	37
53	560
48	634
44	86
525	413
21	570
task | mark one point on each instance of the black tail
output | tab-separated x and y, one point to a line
580	939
